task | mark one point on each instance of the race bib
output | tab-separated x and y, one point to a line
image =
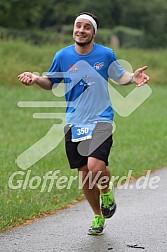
82	132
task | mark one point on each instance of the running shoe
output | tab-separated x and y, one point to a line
108	206
97	225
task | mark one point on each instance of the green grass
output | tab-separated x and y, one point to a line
20	131
154	59
17	56
139	140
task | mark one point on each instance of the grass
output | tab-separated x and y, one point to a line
20	131
17	56
139	140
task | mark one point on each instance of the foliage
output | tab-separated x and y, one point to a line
35	36
103	36
148	16
128	37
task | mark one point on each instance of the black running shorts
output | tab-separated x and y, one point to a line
99	146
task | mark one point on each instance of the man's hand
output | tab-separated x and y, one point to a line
28	78
139	77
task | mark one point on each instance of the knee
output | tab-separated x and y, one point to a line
95	173
83	172
96	166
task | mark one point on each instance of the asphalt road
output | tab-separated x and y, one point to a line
140	224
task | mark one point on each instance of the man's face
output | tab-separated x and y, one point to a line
83	32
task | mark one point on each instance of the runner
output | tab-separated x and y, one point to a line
88	133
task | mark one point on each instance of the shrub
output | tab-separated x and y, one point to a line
37	37
128	37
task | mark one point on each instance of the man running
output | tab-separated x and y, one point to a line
89	113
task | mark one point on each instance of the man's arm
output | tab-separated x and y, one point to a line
29	79
138	77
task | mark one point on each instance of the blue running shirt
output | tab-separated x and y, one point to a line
86	82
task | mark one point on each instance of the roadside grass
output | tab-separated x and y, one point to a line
154	59
139	140
139	145
18	56
18	132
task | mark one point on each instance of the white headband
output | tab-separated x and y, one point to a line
85	16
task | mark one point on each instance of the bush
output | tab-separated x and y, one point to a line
128	37
103	36
37	37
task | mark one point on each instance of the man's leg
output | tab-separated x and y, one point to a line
91	173
97	166
92	194
108	206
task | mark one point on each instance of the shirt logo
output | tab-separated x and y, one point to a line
98	65
72	68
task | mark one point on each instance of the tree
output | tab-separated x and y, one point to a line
149	16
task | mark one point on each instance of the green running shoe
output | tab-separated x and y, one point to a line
108	206
97	225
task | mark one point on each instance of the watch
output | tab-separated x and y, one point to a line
131	78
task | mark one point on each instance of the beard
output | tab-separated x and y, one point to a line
82	44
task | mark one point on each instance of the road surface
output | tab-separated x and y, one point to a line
140	224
